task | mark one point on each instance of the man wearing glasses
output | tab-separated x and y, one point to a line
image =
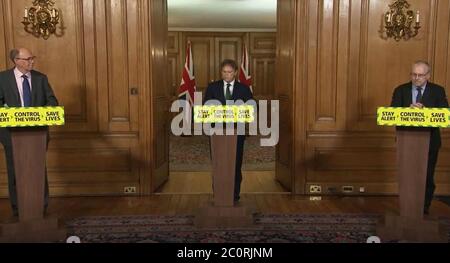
421	93
22	86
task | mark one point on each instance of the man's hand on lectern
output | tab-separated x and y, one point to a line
417	105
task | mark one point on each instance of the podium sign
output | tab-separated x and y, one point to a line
31	117
224	114
414	117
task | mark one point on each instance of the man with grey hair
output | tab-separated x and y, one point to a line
22	86
420	93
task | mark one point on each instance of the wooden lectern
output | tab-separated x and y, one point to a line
223	212
30	147
412	160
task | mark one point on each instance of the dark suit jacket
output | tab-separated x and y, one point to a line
41	92
433	97
215	91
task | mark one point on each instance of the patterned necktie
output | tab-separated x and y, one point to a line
26	92
228	92
419	95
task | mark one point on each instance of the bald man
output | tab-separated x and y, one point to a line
420	93
22	86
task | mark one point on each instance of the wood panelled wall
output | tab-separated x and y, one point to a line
99	68
344	70
211	48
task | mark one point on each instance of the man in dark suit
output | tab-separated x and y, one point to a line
421	93
22	87
230	89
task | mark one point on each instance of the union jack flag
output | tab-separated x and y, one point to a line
244	74
187	86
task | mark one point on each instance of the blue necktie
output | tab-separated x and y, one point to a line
419	95
26	92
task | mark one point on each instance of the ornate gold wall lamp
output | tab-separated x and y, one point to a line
401	22
41	19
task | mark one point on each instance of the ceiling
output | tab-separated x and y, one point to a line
222	15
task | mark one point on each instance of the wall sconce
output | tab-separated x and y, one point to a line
41	19
399	21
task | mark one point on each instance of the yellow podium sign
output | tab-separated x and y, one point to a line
32	116
221	113
414	117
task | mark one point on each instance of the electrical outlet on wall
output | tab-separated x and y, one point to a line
315	189
129	190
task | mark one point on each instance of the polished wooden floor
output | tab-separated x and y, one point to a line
201	182
173	204
185	192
